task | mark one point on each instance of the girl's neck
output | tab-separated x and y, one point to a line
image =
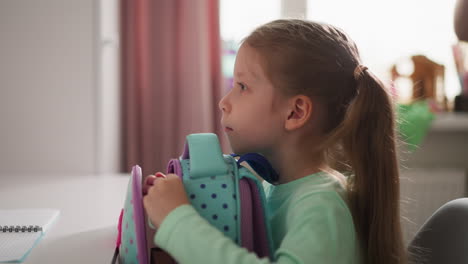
295	165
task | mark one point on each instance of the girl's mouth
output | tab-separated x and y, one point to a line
228	129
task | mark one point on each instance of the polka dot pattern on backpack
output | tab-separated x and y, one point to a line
214	198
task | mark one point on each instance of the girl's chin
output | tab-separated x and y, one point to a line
237	146
240	150
236	149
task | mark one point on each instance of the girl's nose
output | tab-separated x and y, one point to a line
224	105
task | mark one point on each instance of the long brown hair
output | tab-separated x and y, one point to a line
319	60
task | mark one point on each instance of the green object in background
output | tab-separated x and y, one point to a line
414	121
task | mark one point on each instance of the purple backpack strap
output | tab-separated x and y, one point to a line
246	215
174	167
260	236
253	229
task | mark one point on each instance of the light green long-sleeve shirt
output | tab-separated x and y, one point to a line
310	221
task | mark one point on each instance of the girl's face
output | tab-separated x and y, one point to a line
251	110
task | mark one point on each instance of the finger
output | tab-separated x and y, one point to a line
149	181
160	175
150	188
171	175
145	189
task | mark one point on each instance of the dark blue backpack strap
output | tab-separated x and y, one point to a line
260	165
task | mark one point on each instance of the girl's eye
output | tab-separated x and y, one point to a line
242	86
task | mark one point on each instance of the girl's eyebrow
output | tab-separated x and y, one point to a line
250	74
240	74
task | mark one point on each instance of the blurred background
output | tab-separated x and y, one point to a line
91	87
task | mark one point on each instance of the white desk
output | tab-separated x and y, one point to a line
86	229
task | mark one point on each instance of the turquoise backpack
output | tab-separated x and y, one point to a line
225	191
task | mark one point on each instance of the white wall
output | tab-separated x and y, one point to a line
50	87
108	136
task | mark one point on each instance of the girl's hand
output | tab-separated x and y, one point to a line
148	183
164	194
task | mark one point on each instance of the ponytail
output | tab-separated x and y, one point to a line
368	137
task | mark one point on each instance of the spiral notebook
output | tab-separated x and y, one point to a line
21	230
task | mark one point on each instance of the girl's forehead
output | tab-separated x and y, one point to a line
248	63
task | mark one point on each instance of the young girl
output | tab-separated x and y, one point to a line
303	100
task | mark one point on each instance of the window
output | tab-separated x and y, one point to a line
390	31
238	18
386	32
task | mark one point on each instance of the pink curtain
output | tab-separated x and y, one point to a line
171	78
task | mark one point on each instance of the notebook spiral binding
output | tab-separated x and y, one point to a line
18	229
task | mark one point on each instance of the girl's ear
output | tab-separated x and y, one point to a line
298	112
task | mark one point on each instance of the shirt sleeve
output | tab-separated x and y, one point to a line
312	237
189	238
